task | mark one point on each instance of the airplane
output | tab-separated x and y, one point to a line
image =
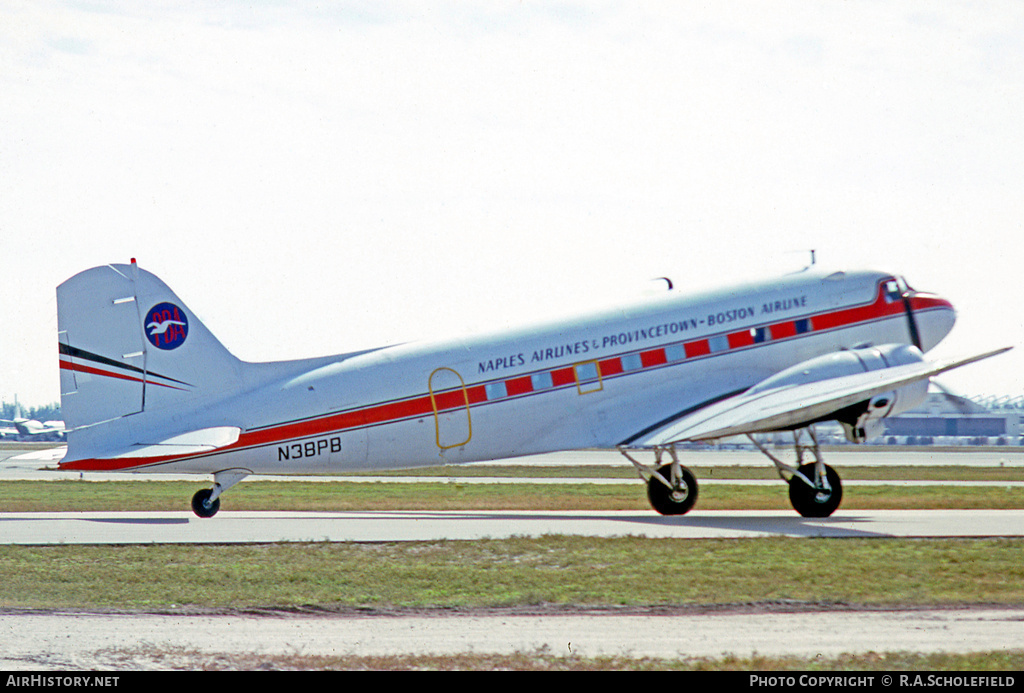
30	429
146	387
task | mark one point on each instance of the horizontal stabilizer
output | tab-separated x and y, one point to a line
759	409
190	443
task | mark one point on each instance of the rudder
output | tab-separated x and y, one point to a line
128	344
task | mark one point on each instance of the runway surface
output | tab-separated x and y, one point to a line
384	526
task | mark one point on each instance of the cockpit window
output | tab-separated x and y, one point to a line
893	291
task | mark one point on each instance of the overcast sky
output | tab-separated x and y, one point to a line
313	178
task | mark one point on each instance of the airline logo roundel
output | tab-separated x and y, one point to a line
166	326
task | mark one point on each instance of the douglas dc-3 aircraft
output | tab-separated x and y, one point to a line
145	387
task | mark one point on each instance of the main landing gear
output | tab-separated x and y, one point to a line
206	502
671	488
815	489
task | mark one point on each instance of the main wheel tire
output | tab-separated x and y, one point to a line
200	504
678	501
811	502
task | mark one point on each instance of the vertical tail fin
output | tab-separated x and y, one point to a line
129	344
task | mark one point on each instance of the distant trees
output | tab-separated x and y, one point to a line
49	412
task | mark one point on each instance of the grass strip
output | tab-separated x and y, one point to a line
556	570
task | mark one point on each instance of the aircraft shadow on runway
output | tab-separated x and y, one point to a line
764	524
756	525
104	520
499	523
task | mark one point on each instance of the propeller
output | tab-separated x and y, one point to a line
915	336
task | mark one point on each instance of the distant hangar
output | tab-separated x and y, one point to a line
947	419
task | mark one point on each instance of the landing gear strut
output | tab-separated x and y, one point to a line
671	488
206	502
815	489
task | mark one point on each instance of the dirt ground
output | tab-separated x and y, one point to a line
63	640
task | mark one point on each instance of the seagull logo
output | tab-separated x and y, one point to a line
166	326
161	327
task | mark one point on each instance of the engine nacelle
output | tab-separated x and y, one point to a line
863	422
860	421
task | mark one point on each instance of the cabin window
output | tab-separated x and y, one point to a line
586	371
719	343
542	381
631	362
675	352
803	326
496	390
588	377
760	334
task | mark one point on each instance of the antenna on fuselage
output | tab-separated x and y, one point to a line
814	258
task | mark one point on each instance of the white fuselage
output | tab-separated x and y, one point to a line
596	381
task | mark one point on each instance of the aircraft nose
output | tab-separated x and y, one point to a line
935	317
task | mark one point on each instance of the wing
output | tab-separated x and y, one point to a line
794	398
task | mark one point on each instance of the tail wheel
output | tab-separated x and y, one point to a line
815	502
677	500
201	504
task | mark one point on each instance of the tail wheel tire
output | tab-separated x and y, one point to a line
201	505
675	501
812	502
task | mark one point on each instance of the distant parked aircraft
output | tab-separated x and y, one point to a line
30	429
